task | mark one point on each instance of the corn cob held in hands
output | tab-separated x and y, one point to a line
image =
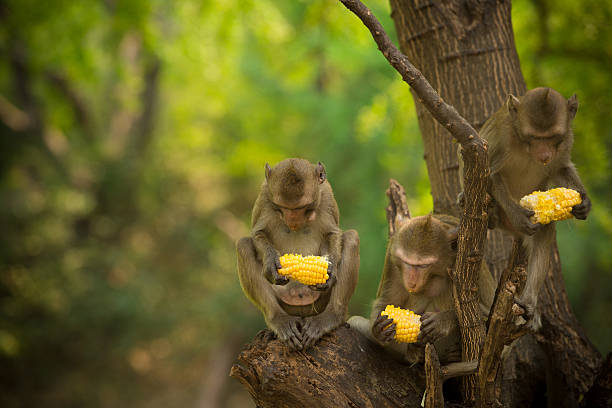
309	270
408	324
551	205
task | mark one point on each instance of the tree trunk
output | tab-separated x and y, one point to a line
466	50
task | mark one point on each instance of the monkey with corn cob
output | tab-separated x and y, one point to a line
309	270
551	205
407	323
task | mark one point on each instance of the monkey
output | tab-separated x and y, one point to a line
296	212
420	256
529	143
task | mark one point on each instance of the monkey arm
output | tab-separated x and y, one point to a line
260	292
346	280
269	256
568	177
517	215
257	289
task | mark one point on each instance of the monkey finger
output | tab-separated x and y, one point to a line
277	263
381	322
282	281
295	330
309	342
427	331
427	317
424	338
295	343
330	267
389	331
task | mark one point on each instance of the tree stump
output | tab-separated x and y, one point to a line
344	369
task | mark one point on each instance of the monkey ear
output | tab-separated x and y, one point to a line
453	234
512	103
572	106
321	174
268	171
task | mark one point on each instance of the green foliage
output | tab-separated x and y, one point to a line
124	187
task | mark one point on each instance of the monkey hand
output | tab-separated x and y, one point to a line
331	281
383	330
271	265
581	210
437	325
521	220
318	325
288	330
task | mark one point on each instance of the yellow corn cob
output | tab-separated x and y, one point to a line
408	323
551	205
309	270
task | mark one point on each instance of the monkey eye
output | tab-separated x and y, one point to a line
558	143
422	266
309	212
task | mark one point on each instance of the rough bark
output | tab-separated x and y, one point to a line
473	226
466	50
501	330
467	53
344	369
433	393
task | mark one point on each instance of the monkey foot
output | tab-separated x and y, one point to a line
526	315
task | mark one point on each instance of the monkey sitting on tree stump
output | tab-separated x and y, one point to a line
530	142
296	212
420	255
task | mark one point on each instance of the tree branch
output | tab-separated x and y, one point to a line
473	227
397	208
76	101
144	124
444	113
501	329
433	392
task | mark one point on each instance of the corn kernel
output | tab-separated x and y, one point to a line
551	205
408	323
309	270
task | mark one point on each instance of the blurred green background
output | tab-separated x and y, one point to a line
134	135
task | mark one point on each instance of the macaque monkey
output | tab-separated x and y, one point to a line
420	256
530	141
296	212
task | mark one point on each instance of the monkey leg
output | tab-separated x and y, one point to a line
337	309
539	248
259	291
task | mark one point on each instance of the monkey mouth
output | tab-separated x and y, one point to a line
413	281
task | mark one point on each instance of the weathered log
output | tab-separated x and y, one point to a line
501	329
344	369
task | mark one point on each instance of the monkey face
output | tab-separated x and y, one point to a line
543	151
416	270
543	122
297	218
422	249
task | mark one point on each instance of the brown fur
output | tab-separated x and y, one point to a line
530	141
425	237
291	184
